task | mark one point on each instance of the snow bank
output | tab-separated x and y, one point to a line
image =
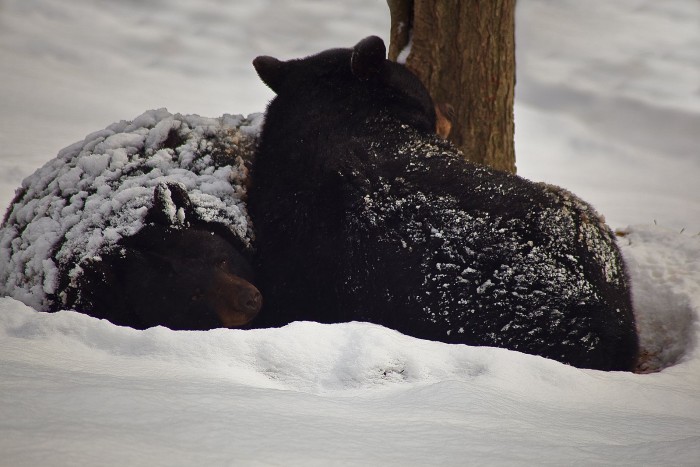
97	191
665	273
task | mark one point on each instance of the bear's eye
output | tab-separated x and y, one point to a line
223	264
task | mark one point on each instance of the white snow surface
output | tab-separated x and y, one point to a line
607	106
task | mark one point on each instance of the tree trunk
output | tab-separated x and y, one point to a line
464	53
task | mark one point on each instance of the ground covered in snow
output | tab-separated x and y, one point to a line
607	105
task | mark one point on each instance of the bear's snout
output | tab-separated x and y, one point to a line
250	300
235	300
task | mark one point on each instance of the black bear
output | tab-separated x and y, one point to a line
143	224
191	277
362	213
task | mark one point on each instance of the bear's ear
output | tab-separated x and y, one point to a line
367	57
271	71
171	205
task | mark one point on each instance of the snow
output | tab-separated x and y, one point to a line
665	272
613	86
607	106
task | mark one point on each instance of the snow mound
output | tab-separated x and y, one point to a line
664	268
303	356
98	190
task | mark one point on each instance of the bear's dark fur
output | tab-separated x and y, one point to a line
362	213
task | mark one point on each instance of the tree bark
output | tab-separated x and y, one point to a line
464	53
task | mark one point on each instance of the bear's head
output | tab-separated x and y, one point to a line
187	278
175	272
194	273
345	80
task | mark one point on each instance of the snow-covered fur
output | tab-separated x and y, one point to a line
177	175
362	213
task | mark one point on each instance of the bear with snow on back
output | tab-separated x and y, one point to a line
143	224
362	213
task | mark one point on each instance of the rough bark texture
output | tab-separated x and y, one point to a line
401	23
464	53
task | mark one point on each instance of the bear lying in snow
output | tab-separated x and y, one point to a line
362	213
143	224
